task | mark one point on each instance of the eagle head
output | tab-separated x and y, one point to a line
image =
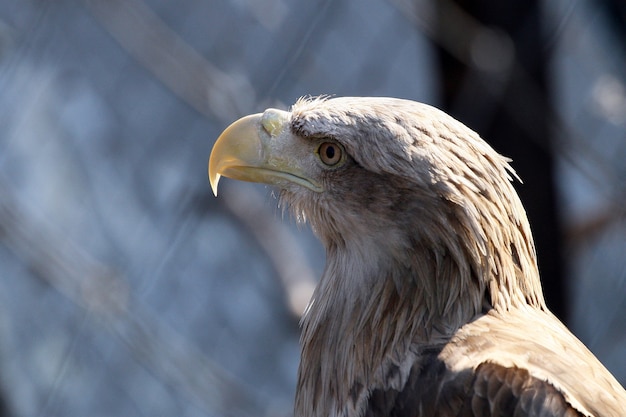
388	183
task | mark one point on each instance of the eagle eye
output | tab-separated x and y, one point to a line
330	153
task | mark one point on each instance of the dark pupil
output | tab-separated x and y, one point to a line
330	152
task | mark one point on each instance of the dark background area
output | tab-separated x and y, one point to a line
127	289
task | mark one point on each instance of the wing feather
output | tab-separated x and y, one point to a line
491	390
536	342
525	364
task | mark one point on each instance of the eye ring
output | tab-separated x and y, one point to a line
330	153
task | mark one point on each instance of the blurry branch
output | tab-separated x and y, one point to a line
218	96
106	295
590	227
60	264
183	367
462	28
190	76
275	239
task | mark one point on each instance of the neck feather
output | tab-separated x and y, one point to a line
355	335
371	315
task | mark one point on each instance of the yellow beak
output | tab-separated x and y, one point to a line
258	148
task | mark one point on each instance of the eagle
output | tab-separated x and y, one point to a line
430	302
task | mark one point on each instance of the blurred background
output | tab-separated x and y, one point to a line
127	289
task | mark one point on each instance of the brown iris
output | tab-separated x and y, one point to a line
330	153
